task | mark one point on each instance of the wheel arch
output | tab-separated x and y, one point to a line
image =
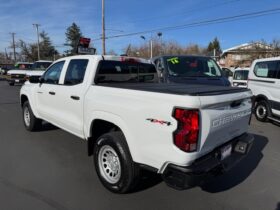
104	123
261	97
23	98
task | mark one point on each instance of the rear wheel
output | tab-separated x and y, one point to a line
31	123
262	111
113	163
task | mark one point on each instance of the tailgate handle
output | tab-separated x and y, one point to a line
52	93
236	103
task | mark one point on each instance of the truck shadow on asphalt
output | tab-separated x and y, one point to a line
278	206
241	171
47	127
148	180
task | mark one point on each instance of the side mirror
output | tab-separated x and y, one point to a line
160	69
33	79
41	80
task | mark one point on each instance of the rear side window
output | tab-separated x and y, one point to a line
125	71
75	72
267	69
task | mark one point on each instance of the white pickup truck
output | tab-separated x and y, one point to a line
130	121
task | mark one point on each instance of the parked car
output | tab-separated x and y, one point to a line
189	69
5	68
184	132
17	75
240	77
264	81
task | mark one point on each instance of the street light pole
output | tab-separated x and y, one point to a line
38	41
103	28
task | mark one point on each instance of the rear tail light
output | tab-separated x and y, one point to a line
187	133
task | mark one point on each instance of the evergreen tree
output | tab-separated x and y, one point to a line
47	50
73	33
215	44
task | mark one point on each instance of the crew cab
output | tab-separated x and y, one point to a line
130	121
189	69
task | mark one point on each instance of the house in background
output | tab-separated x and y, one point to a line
243	55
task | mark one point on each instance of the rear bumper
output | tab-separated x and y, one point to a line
184	177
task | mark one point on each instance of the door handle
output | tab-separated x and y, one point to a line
75	97
52	93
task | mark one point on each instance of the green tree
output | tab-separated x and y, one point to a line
215	44
47	50
29	52
73	33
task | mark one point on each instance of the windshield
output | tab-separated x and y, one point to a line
122	71
191	66
241	75
23	66
41	65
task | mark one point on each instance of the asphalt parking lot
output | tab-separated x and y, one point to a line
50	169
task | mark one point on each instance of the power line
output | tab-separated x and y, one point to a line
202	23
183	13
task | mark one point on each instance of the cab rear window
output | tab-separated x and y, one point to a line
125	72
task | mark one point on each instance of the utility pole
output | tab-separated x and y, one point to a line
38	41
151	42
103	28
14	46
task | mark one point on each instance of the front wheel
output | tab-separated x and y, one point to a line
11	83
31	123
113	163
262	111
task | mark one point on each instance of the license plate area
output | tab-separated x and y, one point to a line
226	151
17	80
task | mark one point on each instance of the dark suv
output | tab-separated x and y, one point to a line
189	69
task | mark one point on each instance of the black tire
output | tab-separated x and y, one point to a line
262	111
34	123
11	83
129	171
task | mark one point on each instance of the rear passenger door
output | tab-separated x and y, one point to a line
71	94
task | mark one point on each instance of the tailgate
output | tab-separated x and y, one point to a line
223	117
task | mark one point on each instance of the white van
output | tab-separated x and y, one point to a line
264	81
240	77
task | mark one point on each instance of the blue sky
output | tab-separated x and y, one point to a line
133	16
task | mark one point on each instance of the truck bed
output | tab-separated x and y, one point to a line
178	89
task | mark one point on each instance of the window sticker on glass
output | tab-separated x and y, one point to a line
262	70
174	60
210	64
118	69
